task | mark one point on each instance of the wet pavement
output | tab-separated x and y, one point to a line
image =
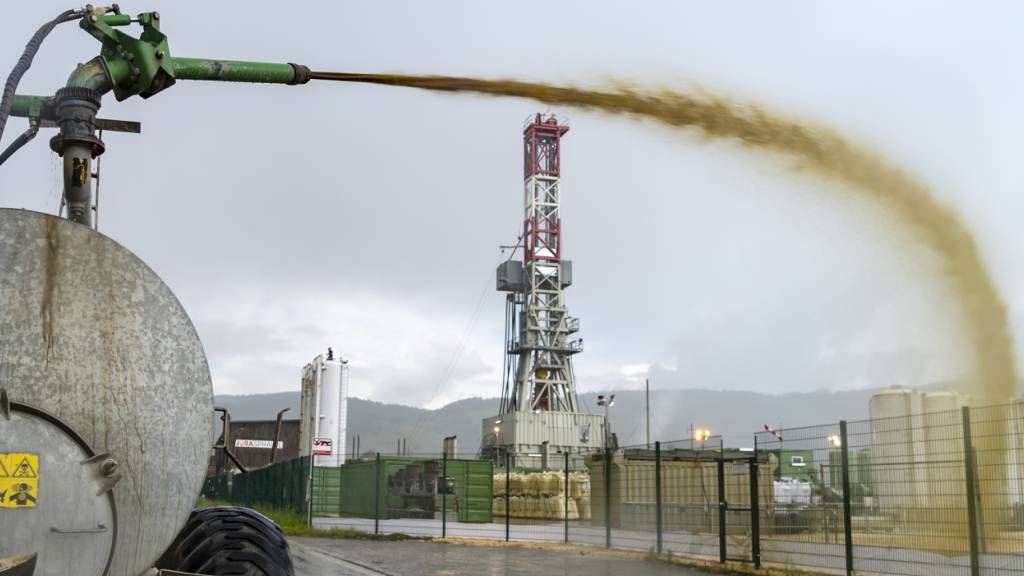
343	557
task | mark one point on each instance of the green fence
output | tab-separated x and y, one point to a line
281	485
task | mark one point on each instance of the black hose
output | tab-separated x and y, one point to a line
20	141
26	61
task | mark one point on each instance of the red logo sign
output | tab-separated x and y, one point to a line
322	447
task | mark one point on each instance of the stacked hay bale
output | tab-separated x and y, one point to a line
542	495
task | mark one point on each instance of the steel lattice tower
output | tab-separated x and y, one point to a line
540	343
539	412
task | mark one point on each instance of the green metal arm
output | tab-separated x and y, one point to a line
235	71
143	66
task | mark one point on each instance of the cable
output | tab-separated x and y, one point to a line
457	354
20	141
25	62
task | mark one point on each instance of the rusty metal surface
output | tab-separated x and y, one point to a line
89	333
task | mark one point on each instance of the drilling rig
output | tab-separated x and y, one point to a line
539	415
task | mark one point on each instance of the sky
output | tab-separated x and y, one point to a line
368	218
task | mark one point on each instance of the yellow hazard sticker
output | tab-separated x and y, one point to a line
19	480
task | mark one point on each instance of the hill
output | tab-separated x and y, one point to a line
734	415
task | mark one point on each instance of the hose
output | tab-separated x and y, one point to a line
20	141
23	65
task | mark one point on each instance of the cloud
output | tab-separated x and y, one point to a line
399	350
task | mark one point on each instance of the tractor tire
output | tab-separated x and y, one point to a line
229	540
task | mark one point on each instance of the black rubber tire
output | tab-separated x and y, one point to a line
229	540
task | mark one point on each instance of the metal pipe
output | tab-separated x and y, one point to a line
755	509
27	106
722	504
238	71
508	488
567	492
444	494
607	490
657	492
93	75
847	513
277	436
376	496
972	493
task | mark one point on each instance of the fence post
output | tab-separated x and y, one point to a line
607	497
376	495
444	494
755	509
657	492
972	492
340	491
309	491
508	490
567	494
847	515
721	507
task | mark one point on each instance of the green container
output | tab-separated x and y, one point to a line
796	464
326	491
407	487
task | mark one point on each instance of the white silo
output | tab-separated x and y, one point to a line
897	450
325	409
944	448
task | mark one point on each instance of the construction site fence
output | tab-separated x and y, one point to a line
282	486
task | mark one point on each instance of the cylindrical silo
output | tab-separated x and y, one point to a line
333	410
895	448
944	449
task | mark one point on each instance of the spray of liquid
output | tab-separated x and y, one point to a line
816	148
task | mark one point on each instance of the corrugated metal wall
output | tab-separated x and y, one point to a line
256	457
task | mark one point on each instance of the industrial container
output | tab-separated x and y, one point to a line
689	489
795	465
410	487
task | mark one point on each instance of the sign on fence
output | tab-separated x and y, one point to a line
322	447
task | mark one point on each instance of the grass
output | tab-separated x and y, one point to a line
294	524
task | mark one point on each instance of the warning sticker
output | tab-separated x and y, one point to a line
19	480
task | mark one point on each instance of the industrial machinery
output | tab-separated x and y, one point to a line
106	416
539	415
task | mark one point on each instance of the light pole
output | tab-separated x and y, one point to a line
607	402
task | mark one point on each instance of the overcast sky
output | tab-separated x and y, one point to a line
289	219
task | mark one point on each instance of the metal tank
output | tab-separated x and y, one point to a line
898	450
106	410
324	408
944	447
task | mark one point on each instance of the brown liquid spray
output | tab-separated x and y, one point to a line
818	148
